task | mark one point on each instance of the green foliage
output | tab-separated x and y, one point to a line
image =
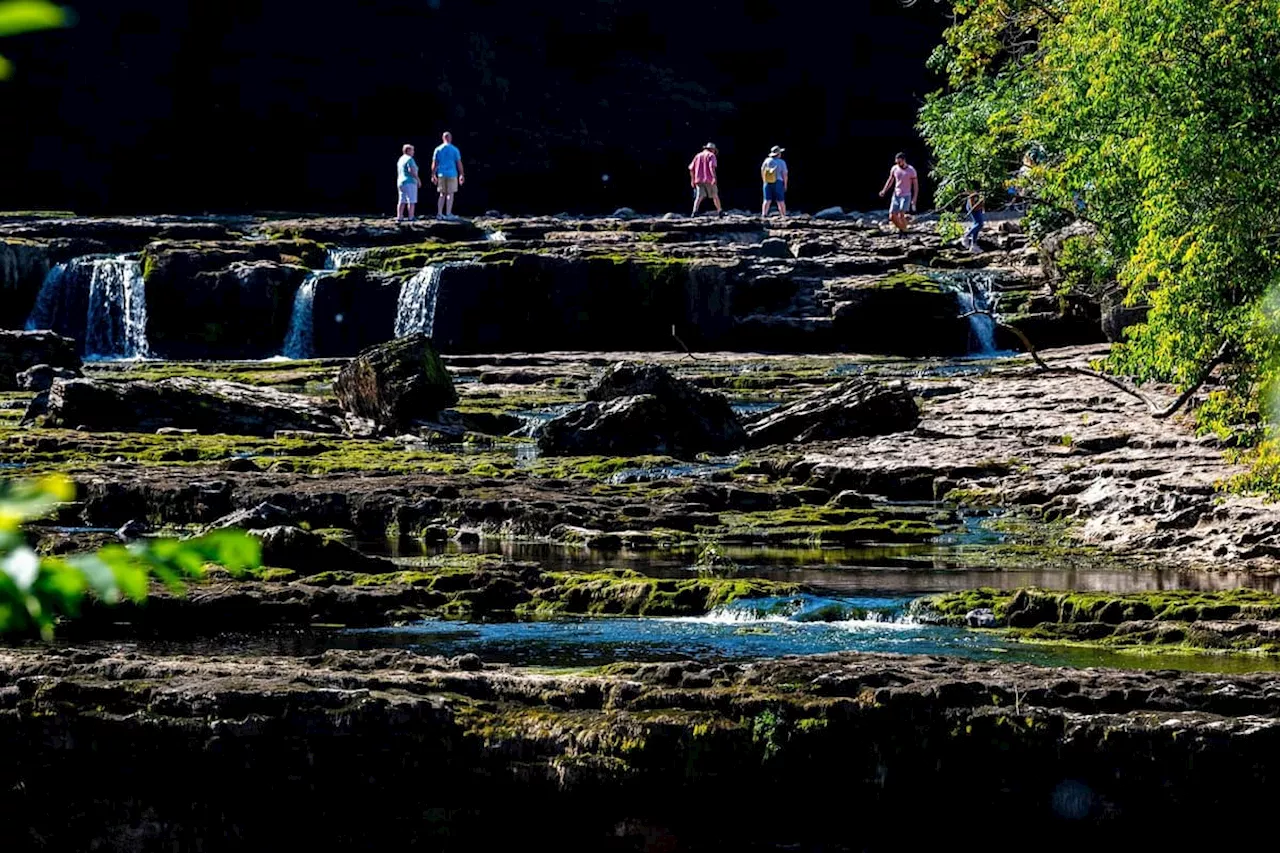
1087	267
1156	120
24	16
36	591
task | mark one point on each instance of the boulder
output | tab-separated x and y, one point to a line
1116	316
40	377
641	408
257	517
814	248
20	351
900	314
830	213
855	407
774	247
396	383
23	267
206	405
308	553
982	617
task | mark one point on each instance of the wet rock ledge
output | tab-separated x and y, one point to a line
158	752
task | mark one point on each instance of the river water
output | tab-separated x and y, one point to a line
858	601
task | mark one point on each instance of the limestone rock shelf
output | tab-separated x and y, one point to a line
224	288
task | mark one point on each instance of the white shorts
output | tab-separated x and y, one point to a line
409	193
900	204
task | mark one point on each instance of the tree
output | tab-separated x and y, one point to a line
36	591
1159	122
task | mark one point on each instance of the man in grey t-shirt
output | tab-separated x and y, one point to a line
408	182
773	172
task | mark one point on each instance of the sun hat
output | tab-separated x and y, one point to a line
710	146
776	150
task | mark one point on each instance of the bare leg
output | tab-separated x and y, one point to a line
448	205
782	209
440	206
409	208
697	203
764	211
399	211
719	209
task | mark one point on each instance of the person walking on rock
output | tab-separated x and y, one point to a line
973	206
702	176
906	191
408	182
773	172
446	174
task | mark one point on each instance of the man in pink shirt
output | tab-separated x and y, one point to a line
702	176
906	191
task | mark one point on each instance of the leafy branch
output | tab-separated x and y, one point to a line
25	16
36	591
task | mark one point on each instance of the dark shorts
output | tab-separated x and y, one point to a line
775	191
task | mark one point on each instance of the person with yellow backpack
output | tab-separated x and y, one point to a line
773	171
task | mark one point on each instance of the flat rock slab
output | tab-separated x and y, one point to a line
206	405
396	730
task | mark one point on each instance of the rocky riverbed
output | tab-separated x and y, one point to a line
641	756
646	440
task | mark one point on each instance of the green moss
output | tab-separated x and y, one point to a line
415	256
274	575
628	593
912	281
594	467
824	525
1164	618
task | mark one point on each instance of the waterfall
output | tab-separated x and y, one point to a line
342	258
416	305
974	294
298	342
116	325
54	299
110	296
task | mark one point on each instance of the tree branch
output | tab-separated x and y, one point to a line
1154	409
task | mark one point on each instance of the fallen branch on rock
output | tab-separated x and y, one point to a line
1156	411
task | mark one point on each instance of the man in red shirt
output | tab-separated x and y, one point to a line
702	176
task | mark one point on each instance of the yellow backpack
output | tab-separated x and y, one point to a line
770	174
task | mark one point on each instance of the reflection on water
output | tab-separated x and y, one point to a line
908	569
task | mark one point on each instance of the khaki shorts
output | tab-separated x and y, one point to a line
710	191
447	186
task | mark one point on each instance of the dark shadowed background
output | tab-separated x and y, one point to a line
260	105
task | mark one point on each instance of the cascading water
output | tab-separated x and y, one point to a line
298	342
974	295
116	325
416	306
109	293
54	299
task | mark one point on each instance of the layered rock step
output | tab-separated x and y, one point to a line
231	289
